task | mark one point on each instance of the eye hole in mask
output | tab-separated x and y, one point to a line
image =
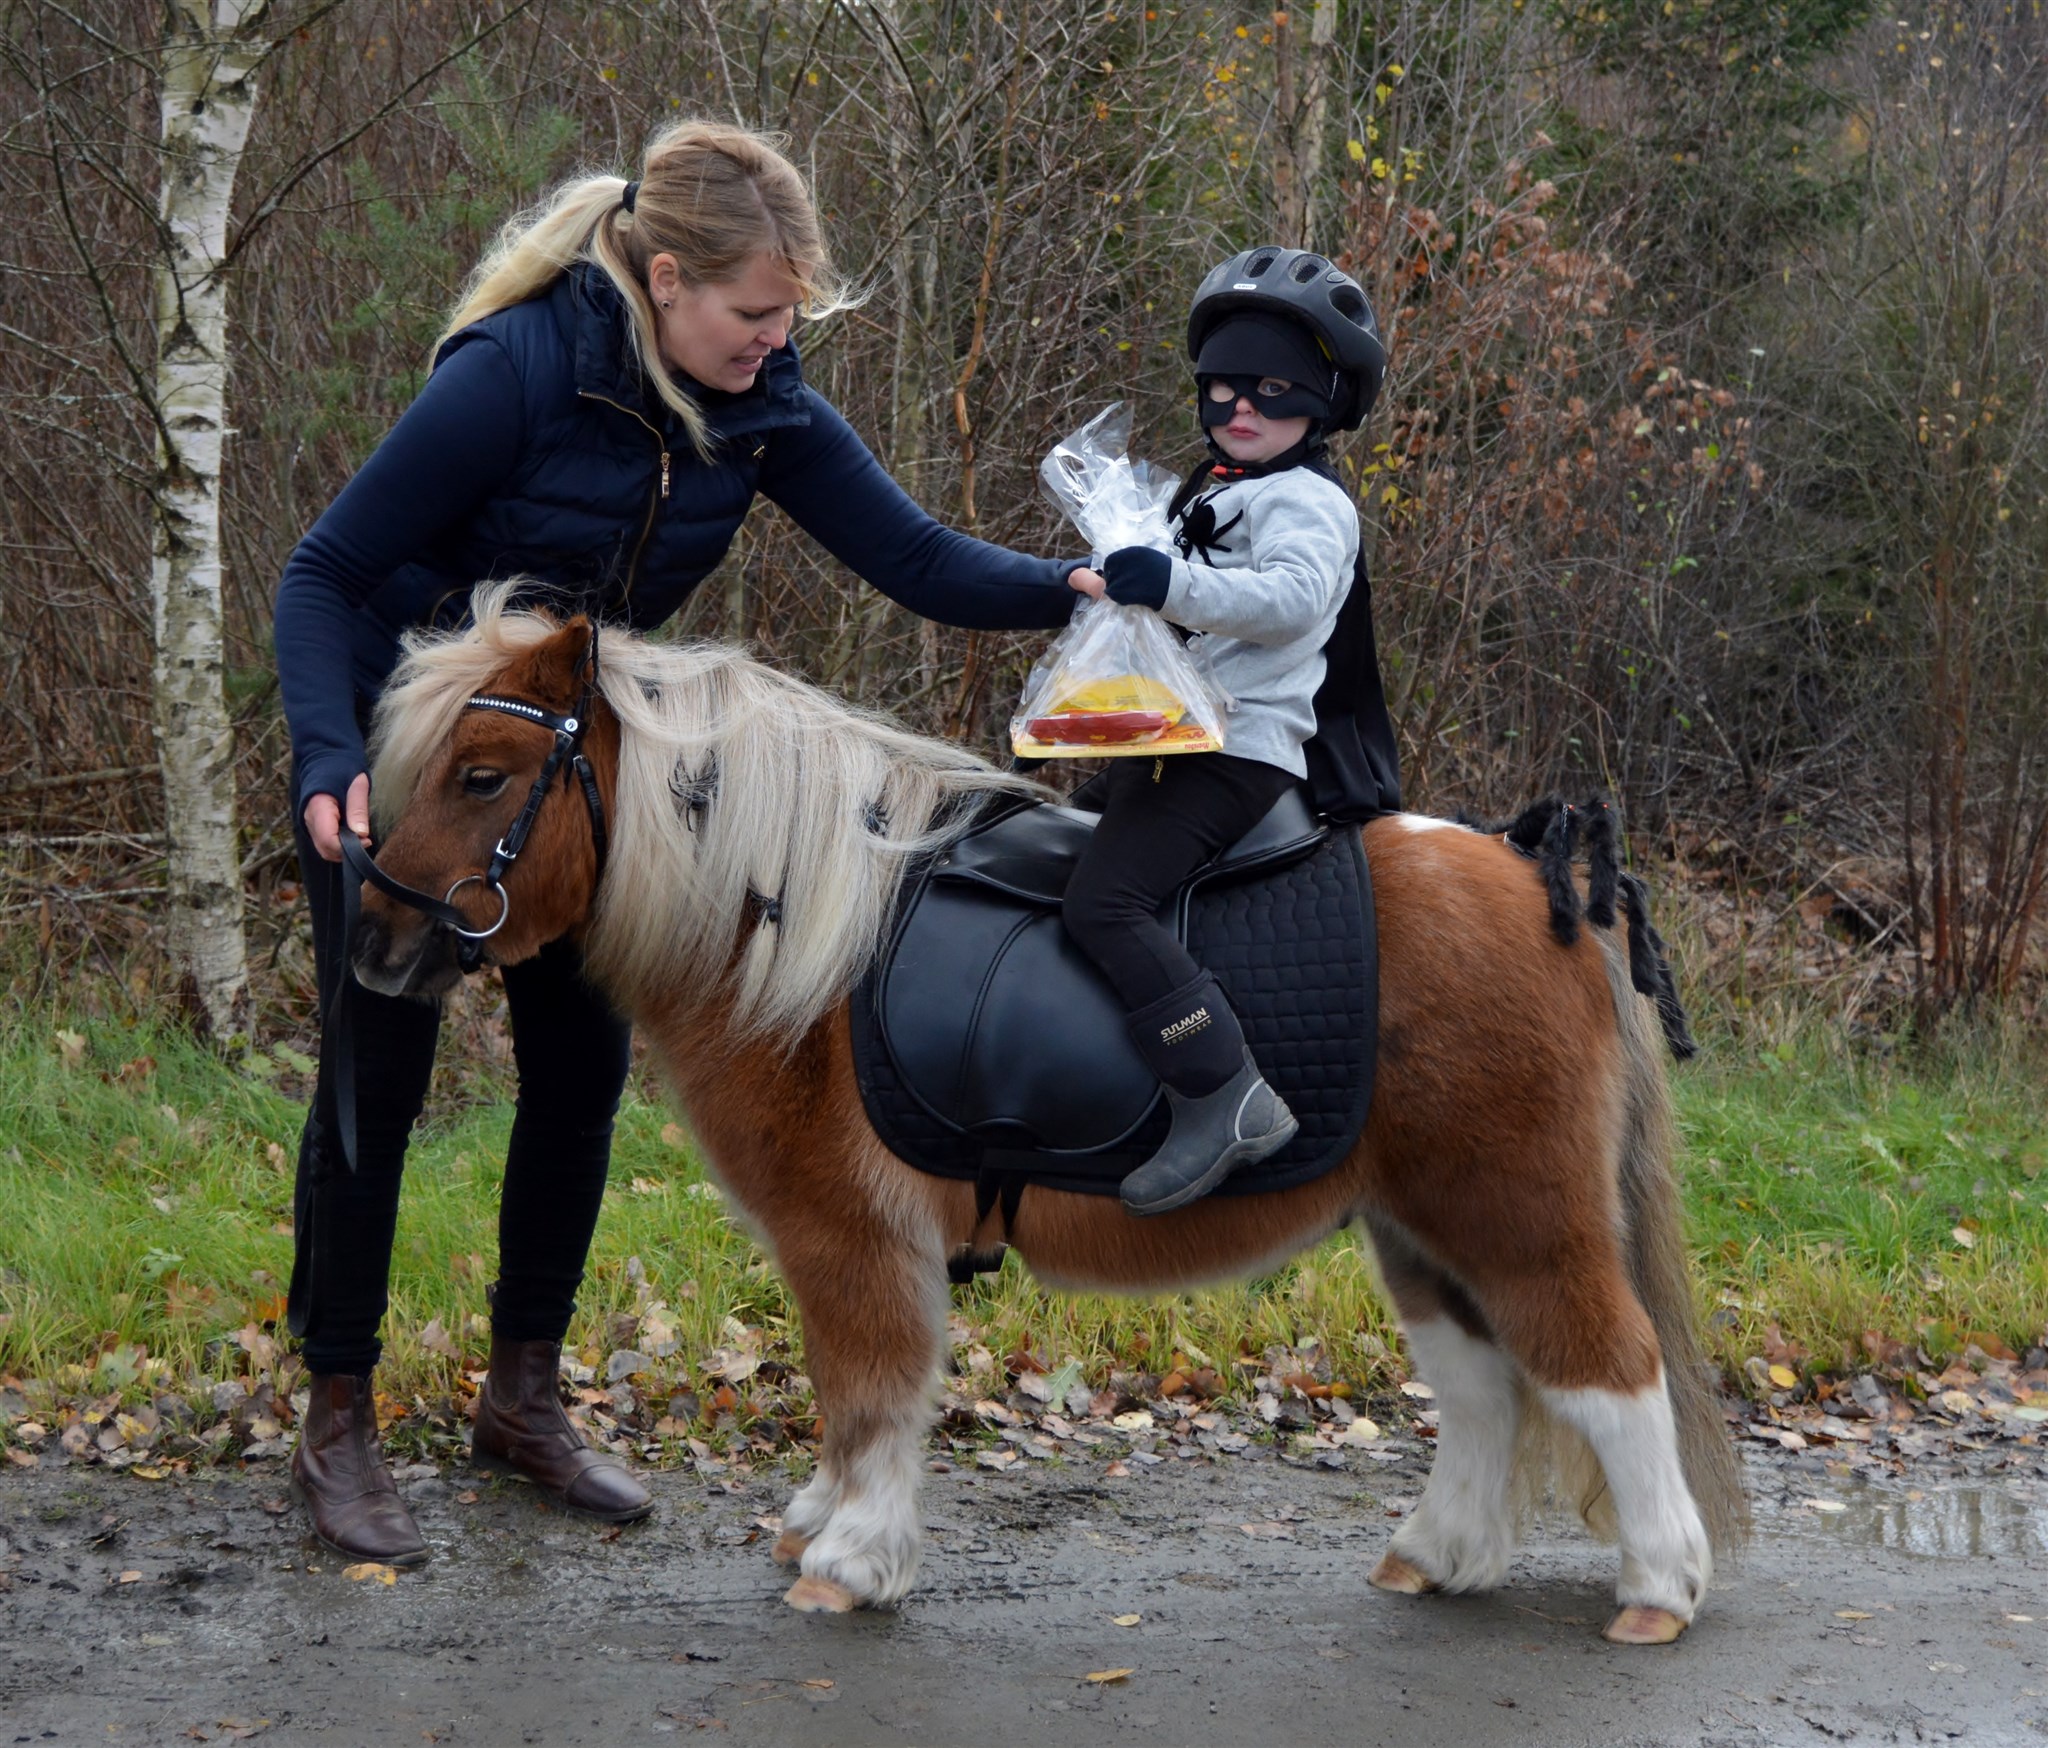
1229	389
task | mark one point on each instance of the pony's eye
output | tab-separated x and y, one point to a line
482	782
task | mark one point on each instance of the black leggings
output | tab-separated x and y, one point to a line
572	1053
1162	818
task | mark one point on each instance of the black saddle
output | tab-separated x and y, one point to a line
989	1047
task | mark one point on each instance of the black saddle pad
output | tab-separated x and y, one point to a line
987	1046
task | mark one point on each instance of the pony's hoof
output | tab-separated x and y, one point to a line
818	1596
789	1548
1396	1574
1640	1625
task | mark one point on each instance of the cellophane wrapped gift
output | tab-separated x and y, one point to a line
1118	681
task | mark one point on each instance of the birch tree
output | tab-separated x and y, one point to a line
209	99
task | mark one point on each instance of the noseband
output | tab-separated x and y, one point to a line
568	748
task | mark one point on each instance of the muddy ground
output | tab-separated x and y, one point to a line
166	1612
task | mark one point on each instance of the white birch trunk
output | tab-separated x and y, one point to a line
209	96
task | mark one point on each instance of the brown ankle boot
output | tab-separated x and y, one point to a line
338	1470
521	1425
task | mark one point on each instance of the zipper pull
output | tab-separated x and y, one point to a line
664	473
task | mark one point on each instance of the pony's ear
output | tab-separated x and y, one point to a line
558	662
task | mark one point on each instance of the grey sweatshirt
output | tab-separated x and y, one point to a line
1263	597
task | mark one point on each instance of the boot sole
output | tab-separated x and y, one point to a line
494	1465
1243	1153
403	1561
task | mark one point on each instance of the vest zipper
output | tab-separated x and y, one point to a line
653	503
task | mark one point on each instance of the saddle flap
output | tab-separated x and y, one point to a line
995	1020
1030	852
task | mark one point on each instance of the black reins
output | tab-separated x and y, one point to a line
337	1048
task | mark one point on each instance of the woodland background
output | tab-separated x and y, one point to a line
1711	470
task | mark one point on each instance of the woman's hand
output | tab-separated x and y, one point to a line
1088	582
323	817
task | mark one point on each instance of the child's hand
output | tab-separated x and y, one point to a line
1137	576
1090	583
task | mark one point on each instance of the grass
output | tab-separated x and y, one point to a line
146	1190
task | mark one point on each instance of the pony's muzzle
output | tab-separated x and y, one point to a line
421	961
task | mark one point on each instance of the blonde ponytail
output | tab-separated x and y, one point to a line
710	194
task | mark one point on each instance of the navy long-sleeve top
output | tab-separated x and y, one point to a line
538	449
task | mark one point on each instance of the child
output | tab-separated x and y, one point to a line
1285	352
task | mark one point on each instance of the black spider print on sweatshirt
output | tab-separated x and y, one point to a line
1199	537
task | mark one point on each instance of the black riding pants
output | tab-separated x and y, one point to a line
572	1055
1162	819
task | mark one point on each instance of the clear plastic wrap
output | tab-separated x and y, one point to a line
1118	681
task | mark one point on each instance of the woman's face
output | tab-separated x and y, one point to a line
720	333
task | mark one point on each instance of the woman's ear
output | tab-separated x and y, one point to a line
664	279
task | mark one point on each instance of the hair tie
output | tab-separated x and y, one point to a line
631	194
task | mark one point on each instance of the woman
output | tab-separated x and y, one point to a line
615	388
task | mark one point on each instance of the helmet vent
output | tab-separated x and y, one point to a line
1349	302
1257	266
1307	268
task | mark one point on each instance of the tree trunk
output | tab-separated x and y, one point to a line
209	96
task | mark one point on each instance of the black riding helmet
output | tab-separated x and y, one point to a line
1327	300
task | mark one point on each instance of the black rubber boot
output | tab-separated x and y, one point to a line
1224	1113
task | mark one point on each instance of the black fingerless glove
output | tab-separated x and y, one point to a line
1137	576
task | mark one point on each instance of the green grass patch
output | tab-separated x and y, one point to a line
146	1189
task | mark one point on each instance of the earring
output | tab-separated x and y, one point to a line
668	303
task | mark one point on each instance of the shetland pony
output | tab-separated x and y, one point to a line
1514	1174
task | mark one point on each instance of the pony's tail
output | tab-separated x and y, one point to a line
1658	1267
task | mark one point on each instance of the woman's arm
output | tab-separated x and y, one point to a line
449	450
841	496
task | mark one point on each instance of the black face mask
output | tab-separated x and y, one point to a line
1294	402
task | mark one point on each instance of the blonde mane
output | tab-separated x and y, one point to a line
737	784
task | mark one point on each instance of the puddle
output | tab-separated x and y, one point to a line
1951	1524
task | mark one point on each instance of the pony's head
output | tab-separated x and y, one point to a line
757	826
464	741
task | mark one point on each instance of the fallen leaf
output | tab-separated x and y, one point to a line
818	1681
1823	1505
1360	1432
370	1569
129	1578
1416	1388
148	1474
1852	1614
1965	1237
71	1046
672	1135
1784	1377
1103	1676
1117	1471
1125	1620
1137	1420
466	1497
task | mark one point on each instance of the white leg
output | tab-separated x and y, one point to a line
867	1545
805	1516
1666	1561
1462	1534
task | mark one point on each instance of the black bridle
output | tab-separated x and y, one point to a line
337	1047
568	731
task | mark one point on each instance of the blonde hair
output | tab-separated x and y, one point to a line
734	781
712	195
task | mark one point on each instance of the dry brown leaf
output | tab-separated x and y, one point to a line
672	1135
